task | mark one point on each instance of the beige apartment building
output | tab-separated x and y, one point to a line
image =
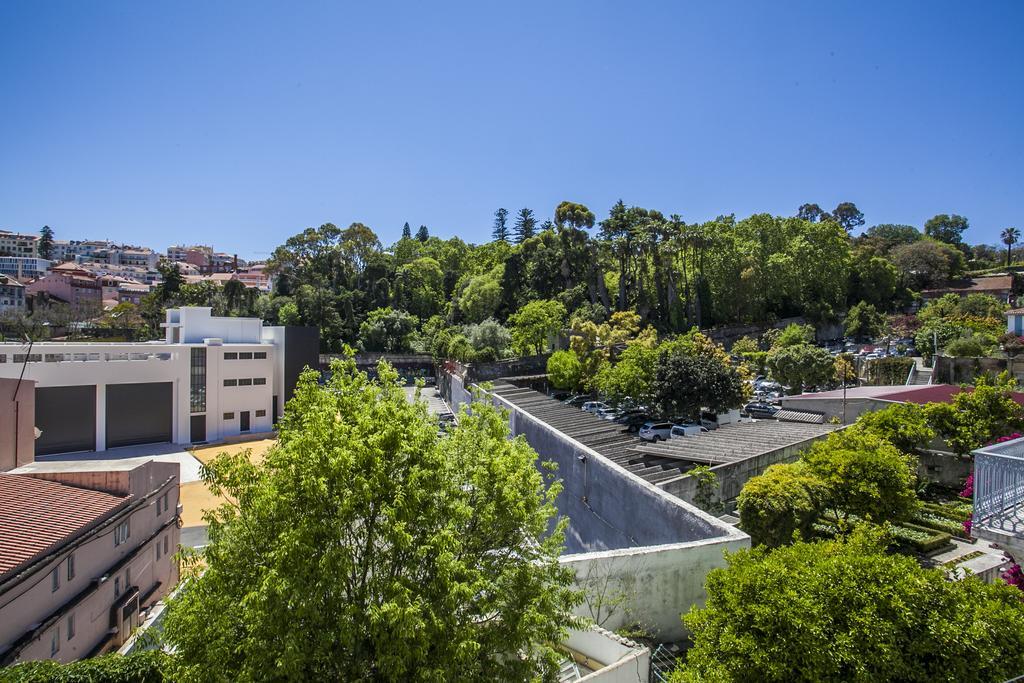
83	554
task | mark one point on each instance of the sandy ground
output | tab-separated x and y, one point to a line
195	497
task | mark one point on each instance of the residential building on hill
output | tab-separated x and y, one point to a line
24	268
211	378
999	286
12	295
71	284
19	244
82	554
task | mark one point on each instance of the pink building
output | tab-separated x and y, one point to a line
83	554
70	284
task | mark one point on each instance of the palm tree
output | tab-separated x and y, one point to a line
1010	237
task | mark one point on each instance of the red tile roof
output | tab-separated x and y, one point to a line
991	283
38	515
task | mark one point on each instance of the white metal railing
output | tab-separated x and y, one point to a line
999	487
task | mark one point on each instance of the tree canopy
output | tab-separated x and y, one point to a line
367	547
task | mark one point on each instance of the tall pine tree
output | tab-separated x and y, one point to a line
406	231
500	225
525	225
46	242
422	234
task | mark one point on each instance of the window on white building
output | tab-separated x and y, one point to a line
231	382
121	533
245	382
230	355
71	566
259	355
259	381
55	641
117	586
71	626
229	416
261	413
55	579
245	355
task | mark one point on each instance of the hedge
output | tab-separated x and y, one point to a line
141	667
922	539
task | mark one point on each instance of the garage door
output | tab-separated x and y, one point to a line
139	413
66	416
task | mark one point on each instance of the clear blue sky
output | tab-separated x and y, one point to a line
242	123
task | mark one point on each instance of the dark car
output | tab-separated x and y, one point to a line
632	420
761	411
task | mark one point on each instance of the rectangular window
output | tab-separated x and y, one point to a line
229	416
197	377
55	579
245	382
261	413
166	546
164	498
245	355
3	357
259	381
230	382
158	550
121	533
127	577
230	355
71	566
71	626
117	586
55	641
259	355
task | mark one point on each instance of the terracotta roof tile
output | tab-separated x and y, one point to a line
37	515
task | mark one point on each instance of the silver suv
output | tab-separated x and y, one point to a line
656	431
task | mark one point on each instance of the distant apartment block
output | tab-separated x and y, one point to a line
82	554
69	250
24	268
211	378
149	276
132	257
12	295
19	244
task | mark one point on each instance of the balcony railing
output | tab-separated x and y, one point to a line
999	488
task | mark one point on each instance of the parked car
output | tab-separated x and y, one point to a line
689	429
632	420
577	401
594	406
760	410
608	413
656	431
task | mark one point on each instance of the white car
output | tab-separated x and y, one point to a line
607	413
656	431
594	406
680	431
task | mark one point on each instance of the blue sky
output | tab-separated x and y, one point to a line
241	124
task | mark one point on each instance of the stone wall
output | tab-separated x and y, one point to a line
948	370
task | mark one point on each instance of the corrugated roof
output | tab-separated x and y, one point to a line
38	515
928	393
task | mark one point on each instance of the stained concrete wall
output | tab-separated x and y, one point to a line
17	423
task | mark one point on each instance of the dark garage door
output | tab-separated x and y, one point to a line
66	416
139	413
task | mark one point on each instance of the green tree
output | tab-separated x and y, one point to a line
873	280
288	314
746	344
525	225
800	366
863	475
480	296
46	242
945	228
848	216
794	335
849	611
863	322
811	213
500	232
1009	237
978	416
884	237
904	425
406	231
535	325
419	287
564	370
786	500
927	263
423	234
489	334
146	666
573	215
631	377
684	384
365	547
388	330
172	278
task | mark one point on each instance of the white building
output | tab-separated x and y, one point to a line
24	267
211	378
12	295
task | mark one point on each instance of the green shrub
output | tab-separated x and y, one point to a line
921	539
141	667
939	523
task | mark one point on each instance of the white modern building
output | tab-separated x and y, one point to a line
211	378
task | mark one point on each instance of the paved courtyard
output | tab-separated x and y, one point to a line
435	404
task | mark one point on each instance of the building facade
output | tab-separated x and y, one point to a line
76	586
70	284
19	244
24	267
12	295
211	378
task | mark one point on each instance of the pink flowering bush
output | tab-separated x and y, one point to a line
1013	575
967	525
968	490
